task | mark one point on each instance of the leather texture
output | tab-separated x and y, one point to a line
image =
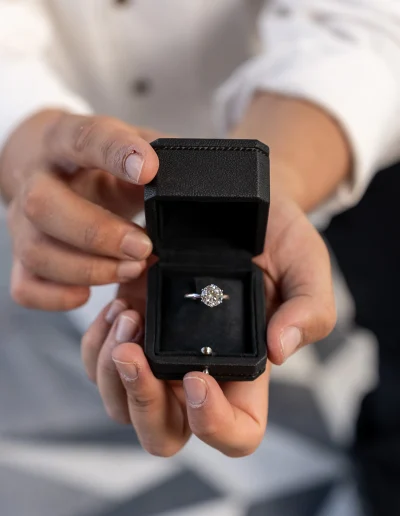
206	212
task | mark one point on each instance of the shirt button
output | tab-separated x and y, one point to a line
141	87
282	11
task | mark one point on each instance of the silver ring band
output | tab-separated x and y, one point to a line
196	297
211	296
193	296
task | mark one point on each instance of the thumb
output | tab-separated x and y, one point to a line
300	265
230	418
301	320
104	143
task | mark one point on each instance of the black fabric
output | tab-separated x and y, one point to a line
188	325
366	244
207	225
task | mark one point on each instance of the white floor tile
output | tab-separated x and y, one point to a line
109	473
284	462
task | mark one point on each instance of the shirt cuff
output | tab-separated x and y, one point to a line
28	86
353	85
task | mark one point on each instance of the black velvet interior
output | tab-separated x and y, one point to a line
193	224
186	325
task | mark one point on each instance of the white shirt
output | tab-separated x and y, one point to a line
190	67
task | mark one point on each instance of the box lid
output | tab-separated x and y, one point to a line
208	196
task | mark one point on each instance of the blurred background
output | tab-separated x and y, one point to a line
61	456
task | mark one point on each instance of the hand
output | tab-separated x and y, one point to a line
230	416
74	184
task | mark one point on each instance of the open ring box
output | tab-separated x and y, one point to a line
206	213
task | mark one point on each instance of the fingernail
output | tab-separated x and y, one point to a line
290	340
136	245
127	370
126	329
196	391
133	166
115	309
129	270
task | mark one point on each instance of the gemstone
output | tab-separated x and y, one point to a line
212	295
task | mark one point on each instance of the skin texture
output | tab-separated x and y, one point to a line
70	206
231	417
310	155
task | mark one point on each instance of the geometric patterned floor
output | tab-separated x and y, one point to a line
61	456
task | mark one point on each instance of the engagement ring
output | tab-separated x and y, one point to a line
210	296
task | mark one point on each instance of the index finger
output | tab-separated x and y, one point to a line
56	210
101	142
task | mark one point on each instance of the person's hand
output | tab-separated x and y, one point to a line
73	184
230	416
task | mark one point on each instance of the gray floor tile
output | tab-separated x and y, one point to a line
303	503
294	407
22	494
332	344
343	501
42	382
183	490
110	435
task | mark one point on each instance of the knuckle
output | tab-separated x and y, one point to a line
90	367
89	346
87	340
33	201
164	450
95	272
327	321
71	300
116	414
108	149
11	215
30	256
93	236
207	431
19	293
88	273
85	132
242	451
114	150
141	402
107	367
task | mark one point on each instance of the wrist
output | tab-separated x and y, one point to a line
310	155
286	181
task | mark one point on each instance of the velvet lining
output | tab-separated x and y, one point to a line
187	325
207	224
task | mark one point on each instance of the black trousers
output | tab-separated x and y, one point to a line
366	242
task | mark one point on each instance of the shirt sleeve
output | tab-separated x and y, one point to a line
343	56
27	81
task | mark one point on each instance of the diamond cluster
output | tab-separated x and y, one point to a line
212	295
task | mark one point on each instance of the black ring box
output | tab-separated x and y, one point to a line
206	213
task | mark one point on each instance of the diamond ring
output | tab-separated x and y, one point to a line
210	296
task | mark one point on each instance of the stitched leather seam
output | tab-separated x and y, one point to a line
214	148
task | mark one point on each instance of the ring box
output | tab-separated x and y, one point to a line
206	213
